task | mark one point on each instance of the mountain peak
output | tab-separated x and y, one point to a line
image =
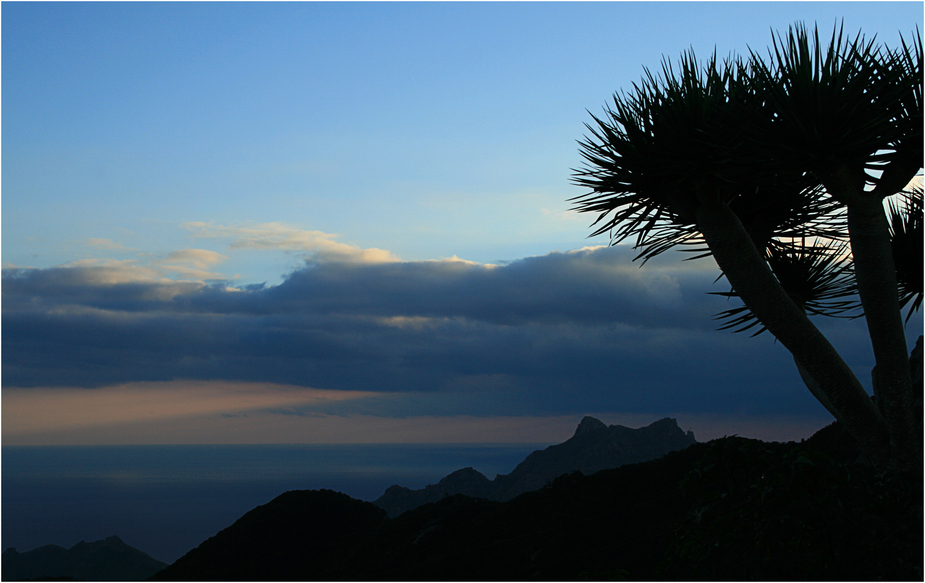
594	447
464	476
589	425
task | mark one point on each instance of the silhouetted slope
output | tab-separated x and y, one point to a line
592	448
467	481
730	509
299	535
576	526
103	560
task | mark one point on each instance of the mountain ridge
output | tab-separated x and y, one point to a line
108	559
593	447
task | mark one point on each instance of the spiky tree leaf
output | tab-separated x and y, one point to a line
905	218
817	277
687	133
843	107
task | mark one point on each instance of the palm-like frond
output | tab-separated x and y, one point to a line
902	159
759	138
837	104
789	207
817	277
905	218
645	155
680	136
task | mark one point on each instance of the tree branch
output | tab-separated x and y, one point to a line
752	279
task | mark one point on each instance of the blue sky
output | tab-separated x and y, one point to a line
350	220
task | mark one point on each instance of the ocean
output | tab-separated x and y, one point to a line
166	499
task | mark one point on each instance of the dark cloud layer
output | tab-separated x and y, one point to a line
564	332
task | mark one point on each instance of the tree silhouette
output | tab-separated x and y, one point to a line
773	168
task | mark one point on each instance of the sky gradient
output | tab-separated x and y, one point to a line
349	222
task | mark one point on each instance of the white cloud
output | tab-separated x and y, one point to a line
320	245
201	258
460	261
184	265
188	264
113	271
106	244
192	263
567	215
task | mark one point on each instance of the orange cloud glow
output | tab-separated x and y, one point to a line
129	411
187	412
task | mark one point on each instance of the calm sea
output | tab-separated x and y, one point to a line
165	500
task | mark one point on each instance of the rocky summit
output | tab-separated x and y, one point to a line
594	447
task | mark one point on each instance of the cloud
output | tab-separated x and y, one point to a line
69	411
192	264
106	244
135	414
269	236
569	216
587	330
107	284
594	285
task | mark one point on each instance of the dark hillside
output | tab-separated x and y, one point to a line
299	535
730	509
766	511
109	559
611	522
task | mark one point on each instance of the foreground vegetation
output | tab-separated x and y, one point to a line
779	168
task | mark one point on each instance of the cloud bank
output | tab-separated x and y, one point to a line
558	334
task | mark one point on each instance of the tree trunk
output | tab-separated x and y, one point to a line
875	273
813	387
752	279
